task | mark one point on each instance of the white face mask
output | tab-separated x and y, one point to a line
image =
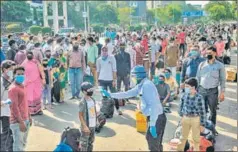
10	74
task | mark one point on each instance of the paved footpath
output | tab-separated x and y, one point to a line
119	134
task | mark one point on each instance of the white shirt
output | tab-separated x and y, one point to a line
154	48
91	113
110	48
5	109
106	68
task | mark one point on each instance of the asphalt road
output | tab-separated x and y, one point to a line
119	133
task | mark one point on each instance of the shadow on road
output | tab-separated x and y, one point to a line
106	132
50	123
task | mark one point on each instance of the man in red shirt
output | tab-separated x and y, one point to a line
182	38
20	119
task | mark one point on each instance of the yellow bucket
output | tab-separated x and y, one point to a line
141	122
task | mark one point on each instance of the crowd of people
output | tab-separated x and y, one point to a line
167	61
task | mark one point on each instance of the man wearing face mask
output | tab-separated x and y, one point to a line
11	52
210	75
123	63
6	80
48	54
20	119
107	73
190	65
150	106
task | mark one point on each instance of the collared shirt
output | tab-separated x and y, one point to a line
150	102
193	106
92	53
211	75
19	106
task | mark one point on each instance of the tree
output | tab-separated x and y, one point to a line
124	15
15	11
220	10
150	16
234	9
107	14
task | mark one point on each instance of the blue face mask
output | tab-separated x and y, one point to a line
187	90
193	53
167	75
19	79
161	81
104	58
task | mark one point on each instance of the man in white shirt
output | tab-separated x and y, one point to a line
109	46
107	73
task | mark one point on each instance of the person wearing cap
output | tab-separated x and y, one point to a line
87	117
150	106
123	63
211	74
20	55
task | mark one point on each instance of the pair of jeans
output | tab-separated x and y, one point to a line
126	82
76	79
19	138
211	100
108	84
47	94
155	144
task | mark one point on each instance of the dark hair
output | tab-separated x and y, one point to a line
31	37
50	41
47	51
22	47
29	52
75	48
6	64
37	44
45	60
96	38
90	39
9	36
154	38
11	42
192	82
212	48
59	40
107	39
18	68
168	70
161	76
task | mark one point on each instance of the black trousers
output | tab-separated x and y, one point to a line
211	101
106	85
6	134
182	49
155	144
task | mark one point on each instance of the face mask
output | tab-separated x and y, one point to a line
187	90
209	57
167	75
104	58
161	81
48	55
29	57
10	74
193	53
90	94
19	79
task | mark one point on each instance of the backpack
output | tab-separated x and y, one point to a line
71	138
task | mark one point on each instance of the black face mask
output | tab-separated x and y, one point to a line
45	65
48	55
90	94
29	57
209	57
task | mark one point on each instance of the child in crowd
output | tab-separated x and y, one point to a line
87	117
48	85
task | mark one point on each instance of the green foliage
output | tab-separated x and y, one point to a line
150	16
12	28
220	10
15	11
35	29
131	28
138	27
124	15
46	30
98	28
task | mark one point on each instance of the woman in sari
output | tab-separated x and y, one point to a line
35	79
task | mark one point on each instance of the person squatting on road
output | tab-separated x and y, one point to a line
150	104
87	117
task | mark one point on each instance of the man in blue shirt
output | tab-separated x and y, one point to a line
150	106
190	65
